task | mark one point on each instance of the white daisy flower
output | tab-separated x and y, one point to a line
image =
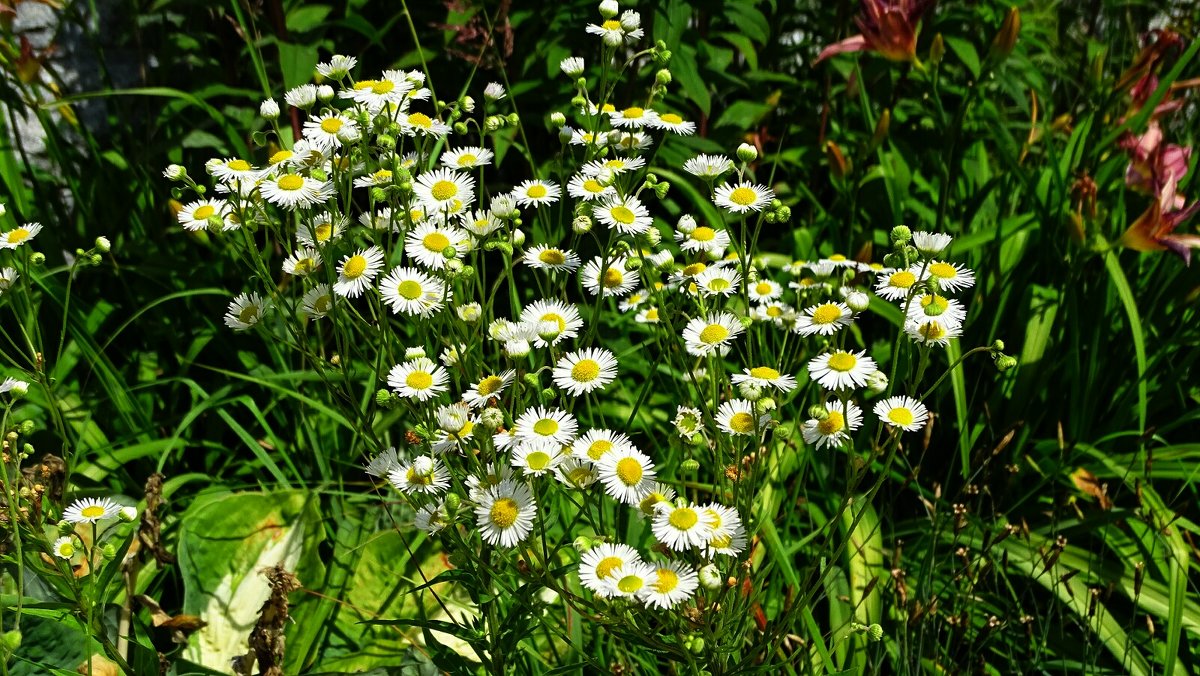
542	257
674	582
932	331
64	547
91	510
612	34
193	216
420	124
412	292
951	276
442	188
742	197
824	319
714	332
383	463
931	243
627	474
293	191
468	157
572	66
674	123
703	238
317	301
444	441
765	376
737	418
608	279
488	387
427	241
587	138
841	419
716	281
632	117
8	277
476	486
337	67
302	262
687	420
729	535
546	425
931	306
536	459
537	193
494	91
357	271
647	315
840	369
765	291
708	167
597	564
902	412
17	387
630	581
379	178
419	379
576	473
432	517
505	513
682	527
585	371
302	97
588	188
321	229
626	215
775	312
425	475
564	317
657	492
322	132
616	165
245	311
595	444
232	171
897	285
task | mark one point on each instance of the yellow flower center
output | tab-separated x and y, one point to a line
683	518
354	267
615	164
92	511
900	415
667	581
364	84
248	314
832	424
943	271
713	333
322	304
467	160
489	385
290	182
902	279
552	257
281	156
629	471
238	165
551	317
694	269
418	479
607	565
546	427
593	186
331	125
200	214
632	113
630	584
504	512
420	120
66	549
409	290
743	196
705	234
536	191
742	423
647	504
443	190
613	278
304	266
537	460
585	371
436	241
608	107
842	361
826	313
671	118
652	314
599	448
718	284
579	476
383	87
837	257
764	372
932	331
419	380
323	231
720	541
611	25
774	311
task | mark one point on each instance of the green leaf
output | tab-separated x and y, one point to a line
1117	276
298	62
304	18
965	51
684	68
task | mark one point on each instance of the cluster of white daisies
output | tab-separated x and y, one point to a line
490	442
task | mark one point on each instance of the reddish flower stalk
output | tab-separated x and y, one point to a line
889	28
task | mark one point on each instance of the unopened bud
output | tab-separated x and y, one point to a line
662	77
750	391
175	172
325	93
747	153
937	49
518	237
609	8
839	166
818	412
128	514
877	382
711	577
1005	362
690	465
492	419
453	501
269	109
1006	39
901	234
557	119
103	245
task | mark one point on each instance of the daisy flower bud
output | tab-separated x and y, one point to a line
468	104
901	234
516	349
765	405
103	245
565	134
572	66
875	631
349	134
1005	362
613	38
37	258
557	119
385	399
818	412
630	21
414	353
697	645
582	224
609	8
662	77
998	345
128	514
494	91
452	504
690	465
325	93
269	109
711	577
858	301
877	382
26	428
470	312
175	172
514	119
747	153
492	418
302	97
583	543
518	237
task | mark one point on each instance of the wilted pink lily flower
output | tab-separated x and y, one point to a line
1154	230
1151	161
889	27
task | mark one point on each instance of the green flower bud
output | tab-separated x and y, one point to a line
385	399
103	245
747	322
460	128
514	119
750	391
109	550
711	577
518	237
697	645
10	641
901	234
405	187
771	217
690	465
578	101
998	345
765	405
1005	362
557	119
548	395
818	412
660	190
747	153
379	194
492	419
785	214
37	259
65	528
531	380
26	427
582	225
452	504
492	123
875	632
662	77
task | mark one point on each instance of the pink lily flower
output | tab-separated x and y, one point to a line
1154	230
889	28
